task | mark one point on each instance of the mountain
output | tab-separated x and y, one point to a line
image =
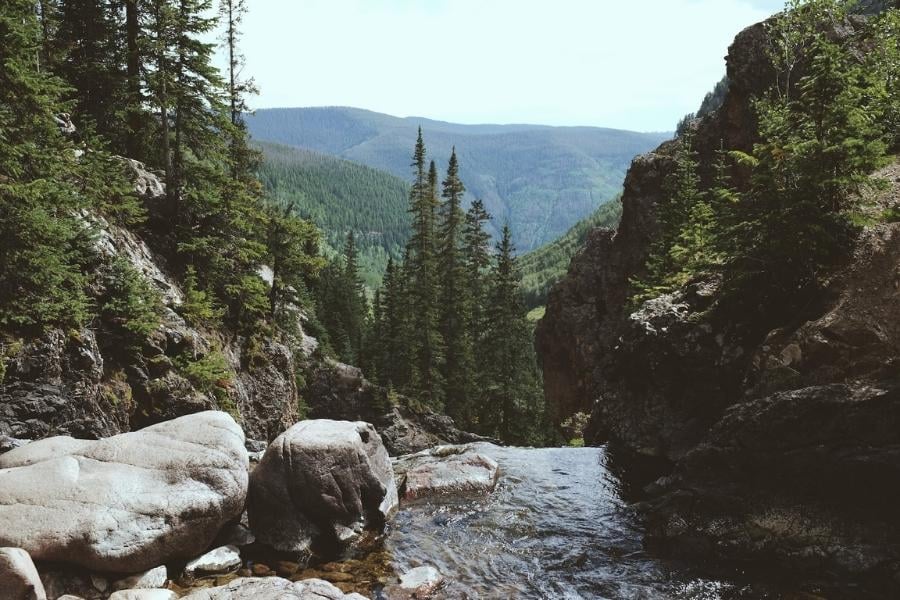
339	196
542	268
540	179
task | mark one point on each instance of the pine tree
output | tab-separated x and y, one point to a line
477	261
292	252
513	407
90	61
424	337
454	304
43	246
819	143
243	157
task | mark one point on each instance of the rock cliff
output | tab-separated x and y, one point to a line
780	440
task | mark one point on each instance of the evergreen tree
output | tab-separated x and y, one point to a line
243	158
820	140
424	340
477	261
90	61
43	246
454	304
512	409
292	252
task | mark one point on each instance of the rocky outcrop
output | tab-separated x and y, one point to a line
778	440
252	588
321	481
338	391
446	470
19	578
129	502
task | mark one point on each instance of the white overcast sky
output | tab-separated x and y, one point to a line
615	63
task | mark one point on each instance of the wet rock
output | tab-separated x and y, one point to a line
416	584
129	502
144	595
317	478
19	578
251	588
446	470
154	578
215	562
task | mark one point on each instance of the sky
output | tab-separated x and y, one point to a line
628	64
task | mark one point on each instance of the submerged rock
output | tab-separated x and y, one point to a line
252	588
129	502
419	583
19	578
319	479
446	469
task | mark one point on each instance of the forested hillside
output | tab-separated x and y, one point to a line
545	266
340	197
539	180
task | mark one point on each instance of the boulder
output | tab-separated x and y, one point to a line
19	578
224	559
144	595
154	578
446	469
416	584
252	588
126	503
318	479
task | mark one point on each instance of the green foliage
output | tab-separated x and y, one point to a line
209	374
340	196
198	307
130	305
822	131
683	247
542	268
44	246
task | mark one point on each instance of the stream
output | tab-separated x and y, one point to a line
555	527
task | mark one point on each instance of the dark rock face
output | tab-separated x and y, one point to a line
338	391
782	440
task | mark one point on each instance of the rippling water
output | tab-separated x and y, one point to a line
555	527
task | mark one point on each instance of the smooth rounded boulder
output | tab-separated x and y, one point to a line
19	578
320	480
127	503
256	588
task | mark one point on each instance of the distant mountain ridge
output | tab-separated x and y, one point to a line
540	179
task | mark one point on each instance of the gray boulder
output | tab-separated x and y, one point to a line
224	559
445	470
253	588
142	594
19	579
319	479
129	502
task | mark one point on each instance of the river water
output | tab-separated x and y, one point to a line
555	527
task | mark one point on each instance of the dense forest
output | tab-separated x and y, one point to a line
85	84
138	79
448	325
340	197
